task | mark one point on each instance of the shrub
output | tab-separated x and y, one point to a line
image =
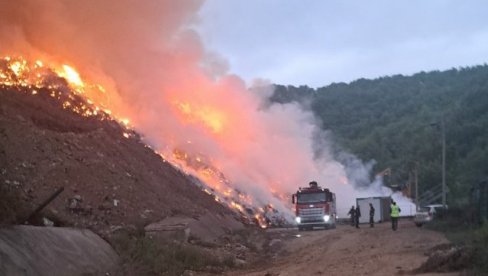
480	248
10	204
146	256
461	231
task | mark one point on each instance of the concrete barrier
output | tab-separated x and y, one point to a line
31	250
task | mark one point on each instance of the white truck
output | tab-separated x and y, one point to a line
381	206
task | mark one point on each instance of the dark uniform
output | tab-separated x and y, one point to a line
371	215
358	215
352	213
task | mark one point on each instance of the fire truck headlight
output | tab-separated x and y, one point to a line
326	218
298	219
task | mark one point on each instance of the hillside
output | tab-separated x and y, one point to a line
396	121
109	180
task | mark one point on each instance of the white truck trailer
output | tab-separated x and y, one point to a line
381	206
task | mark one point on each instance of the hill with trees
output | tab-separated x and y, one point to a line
397	121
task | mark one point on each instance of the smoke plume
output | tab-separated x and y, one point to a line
157	73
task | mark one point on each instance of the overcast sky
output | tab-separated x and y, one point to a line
317	42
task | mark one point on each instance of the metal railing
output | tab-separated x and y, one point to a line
431	196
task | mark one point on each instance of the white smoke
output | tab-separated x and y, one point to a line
158	74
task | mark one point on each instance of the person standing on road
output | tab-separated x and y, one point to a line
371	215
358	215
352	213
394	213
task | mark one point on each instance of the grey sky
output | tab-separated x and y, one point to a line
318	42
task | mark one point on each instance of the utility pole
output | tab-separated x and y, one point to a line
443	130
416	186
443	138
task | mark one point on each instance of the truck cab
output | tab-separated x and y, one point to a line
314	207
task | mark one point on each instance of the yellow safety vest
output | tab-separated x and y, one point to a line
395	211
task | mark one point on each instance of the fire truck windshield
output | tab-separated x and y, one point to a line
311	197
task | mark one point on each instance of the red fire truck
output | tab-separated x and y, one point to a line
314	206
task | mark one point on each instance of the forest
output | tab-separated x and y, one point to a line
401	122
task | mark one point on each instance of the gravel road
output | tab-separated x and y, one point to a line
350	251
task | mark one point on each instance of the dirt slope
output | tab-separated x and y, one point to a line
109	180
350	251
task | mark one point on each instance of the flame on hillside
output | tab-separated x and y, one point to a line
60	83
65	85
215	184
211	117
142	64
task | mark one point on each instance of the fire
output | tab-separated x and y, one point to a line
17	67
237	206
17	71
221	189
53	80
261	221
211	117
71	76
125	121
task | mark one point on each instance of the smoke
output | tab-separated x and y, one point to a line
157	73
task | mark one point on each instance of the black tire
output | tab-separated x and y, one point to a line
418	224
300	228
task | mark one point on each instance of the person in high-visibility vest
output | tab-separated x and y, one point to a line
394	213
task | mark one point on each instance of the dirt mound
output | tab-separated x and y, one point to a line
446	258
109	180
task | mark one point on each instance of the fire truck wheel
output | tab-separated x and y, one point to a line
301	228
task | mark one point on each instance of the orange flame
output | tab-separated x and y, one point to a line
211	117
72	76
38	77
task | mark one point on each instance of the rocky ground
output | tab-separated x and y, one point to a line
109	181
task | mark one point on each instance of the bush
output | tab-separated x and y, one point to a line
10	204
142	255
453	221
462	231
480	248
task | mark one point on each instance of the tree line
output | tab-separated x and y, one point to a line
396	120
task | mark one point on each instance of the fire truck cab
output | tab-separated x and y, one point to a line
314	207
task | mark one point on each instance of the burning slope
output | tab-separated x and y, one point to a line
109	180
66	88
150	68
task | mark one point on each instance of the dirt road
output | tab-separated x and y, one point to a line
350	251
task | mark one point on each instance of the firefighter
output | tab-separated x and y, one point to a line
358	215
352	213
371	215
394	213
